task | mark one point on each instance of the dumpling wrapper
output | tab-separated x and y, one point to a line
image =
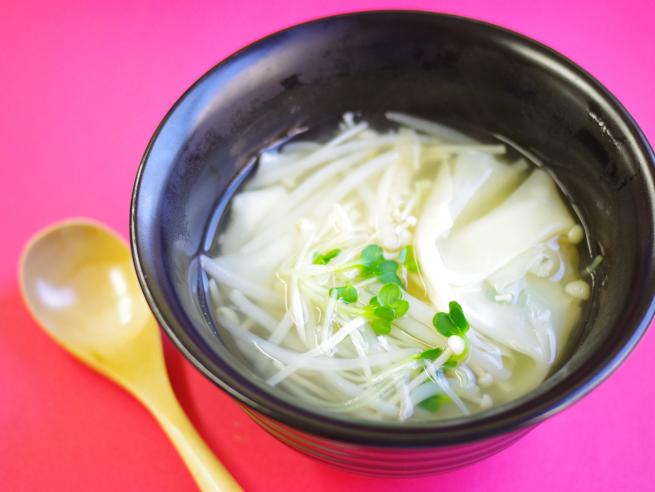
479	180
473	240
532	214
538	326
501	179
248	210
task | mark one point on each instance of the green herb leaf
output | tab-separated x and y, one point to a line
372	254
444	324
375	265
452	323
433	403
324	259
389	294
431	354
391	297
348	294
390	278
387	306
388	266
408	259
387	272
381	326
400	308
457	316
384	312
434	353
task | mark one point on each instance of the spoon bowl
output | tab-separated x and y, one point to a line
78	282
80	285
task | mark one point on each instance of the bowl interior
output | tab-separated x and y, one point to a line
464	73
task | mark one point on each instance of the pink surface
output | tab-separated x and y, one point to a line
82	89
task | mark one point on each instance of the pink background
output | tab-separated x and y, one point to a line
82	87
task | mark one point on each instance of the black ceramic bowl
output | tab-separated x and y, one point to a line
445	68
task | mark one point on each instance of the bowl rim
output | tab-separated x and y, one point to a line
359	432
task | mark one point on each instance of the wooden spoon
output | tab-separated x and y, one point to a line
78	282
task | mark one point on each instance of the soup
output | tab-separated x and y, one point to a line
408	274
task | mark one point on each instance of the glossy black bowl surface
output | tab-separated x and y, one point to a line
449	69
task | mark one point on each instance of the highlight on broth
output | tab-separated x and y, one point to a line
408	274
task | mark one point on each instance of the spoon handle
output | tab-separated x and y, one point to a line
206	470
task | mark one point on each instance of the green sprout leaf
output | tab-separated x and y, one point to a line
389	294
372	255
388	266
444	324
387	306
434	353
452	323
324	259
400	308
384	312
457	315
391	297
348	293
381	326
375	265
390	278
408	259
433	403
430	354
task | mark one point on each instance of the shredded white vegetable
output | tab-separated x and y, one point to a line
339	256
